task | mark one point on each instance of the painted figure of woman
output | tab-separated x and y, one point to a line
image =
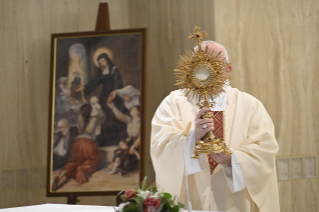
112	130
126	157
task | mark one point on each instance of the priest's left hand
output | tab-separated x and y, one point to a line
222	158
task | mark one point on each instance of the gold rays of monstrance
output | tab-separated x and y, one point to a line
202	76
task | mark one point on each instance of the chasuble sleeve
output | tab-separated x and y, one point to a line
234	175
257	159
167	145
193	165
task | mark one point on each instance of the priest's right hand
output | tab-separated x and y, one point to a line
200	131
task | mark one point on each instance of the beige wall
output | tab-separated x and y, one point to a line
272	46
25	33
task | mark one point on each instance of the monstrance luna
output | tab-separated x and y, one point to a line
202	76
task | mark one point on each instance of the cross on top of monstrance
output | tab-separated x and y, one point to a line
198	35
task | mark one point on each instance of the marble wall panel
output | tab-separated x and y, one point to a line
311	166
283	169
7	180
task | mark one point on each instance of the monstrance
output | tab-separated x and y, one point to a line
202	76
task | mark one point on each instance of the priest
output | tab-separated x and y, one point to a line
244	181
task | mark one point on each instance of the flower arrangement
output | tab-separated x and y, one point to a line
147	199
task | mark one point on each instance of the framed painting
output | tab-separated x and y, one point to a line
96	112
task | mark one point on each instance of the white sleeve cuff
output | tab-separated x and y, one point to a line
234	175
193	165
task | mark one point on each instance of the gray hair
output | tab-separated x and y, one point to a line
218	44
63	121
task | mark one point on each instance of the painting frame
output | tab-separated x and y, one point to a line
141	47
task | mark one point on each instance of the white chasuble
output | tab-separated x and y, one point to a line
249	132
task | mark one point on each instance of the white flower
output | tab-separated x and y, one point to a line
122	206
156	195
145	194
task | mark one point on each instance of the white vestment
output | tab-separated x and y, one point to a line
249	132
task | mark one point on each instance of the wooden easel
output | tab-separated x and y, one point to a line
102	24
103	18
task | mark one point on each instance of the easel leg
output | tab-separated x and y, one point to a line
103	18
72	199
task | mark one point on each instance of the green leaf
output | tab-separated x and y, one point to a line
167	196
174	199
123	198
144	183
121	192
135	199
180	205
138	202
164	208
175	208
167	205
131	208
155	189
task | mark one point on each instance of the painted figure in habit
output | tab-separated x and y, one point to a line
62	143
108	75
84	157
126	157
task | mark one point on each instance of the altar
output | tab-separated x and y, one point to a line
63	208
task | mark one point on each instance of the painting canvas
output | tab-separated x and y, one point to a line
96	112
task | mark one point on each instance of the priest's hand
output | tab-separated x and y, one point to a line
222	158
202	126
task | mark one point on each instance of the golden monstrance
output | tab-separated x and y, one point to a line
202	75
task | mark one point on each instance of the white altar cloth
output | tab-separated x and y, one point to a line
62	208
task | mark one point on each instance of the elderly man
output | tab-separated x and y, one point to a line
62	143
243	181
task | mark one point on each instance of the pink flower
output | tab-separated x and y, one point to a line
151	202
129	194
